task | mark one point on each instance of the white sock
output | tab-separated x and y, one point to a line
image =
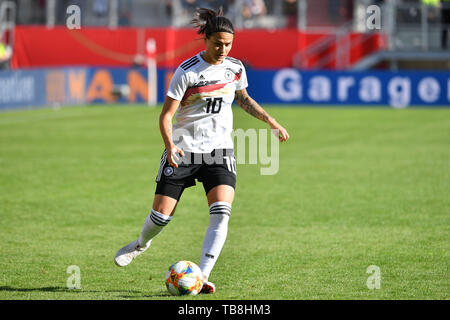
153	225
215	236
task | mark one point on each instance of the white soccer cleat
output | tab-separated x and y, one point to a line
208	288
125	255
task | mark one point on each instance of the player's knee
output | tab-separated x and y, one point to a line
164	210
164	205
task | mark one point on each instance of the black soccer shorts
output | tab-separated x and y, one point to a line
212	169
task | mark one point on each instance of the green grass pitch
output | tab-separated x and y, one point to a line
356	187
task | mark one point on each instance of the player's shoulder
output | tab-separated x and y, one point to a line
234	61
189	63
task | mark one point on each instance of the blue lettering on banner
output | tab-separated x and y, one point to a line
22	88
87	85
382	88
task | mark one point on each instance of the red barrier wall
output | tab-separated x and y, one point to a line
41	47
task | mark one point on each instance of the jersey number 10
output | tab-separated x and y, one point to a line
214	105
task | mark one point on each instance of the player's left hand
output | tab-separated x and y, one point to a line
279	131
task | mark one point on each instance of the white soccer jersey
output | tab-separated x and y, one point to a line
204	120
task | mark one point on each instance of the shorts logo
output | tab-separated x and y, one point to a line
168	171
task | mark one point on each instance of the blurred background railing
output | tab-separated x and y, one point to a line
417	21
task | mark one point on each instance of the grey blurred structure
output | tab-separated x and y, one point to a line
414	29
7	25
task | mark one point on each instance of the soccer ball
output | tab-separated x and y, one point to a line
184	278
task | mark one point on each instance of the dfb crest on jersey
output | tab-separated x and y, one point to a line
228	74
168	171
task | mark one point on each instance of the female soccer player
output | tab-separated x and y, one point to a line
199	145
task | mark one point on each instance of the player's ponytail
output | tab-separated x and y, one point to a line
209	21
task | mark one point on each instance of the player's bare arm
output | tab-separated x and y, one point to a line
252	107
165	126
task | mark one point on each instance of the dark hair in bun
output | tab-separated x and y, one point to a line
209	21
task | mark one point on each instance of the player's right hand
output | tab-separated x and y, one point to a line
174	156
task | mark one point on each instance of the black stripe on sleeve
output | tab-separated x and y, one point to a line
190	64
187	62
233	60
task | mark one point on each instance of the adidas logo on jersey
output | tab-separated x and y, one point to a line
202	77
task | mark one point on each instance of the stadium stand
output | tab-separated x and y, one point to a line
412	33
